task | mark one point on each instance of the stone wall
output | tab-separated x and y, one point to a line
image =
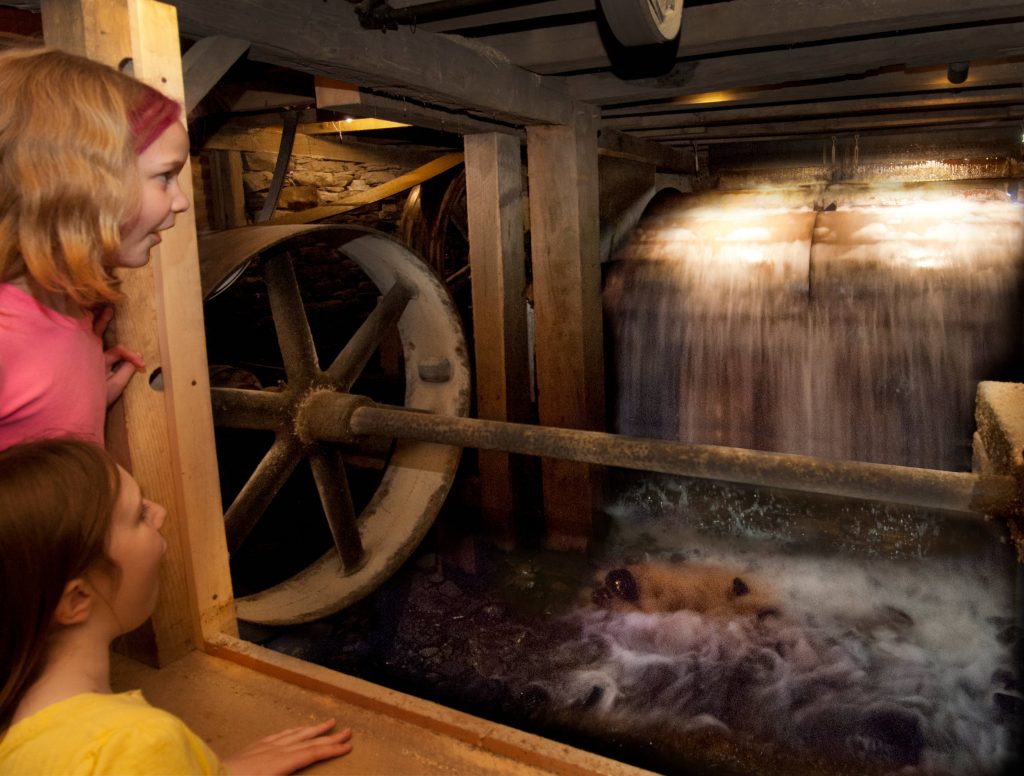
315	182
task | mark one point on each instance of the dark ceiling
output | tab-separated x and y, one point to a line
742	70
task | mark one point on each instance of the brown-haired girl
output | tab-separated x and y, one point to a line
80	549
89	163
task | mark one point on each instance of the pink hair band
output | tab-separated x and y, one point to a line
150	117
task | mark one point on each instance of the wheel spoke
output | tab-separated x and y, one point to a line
241	408
351	361
254	498
293	334
332	483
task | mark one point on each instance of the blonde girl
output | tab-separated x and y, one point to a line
89	163
80	549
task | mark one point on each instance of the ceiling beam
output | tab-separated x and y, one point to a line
205	63
326	39
890	82
491	16
826	126
877	106
807	63
749	24
611	142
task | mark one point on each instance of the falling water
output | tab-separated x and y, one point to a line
850	324
858	332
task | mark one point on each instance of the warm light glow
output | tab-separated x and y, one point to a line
704	98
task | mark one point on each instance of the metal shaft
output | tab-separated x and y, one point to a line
954	491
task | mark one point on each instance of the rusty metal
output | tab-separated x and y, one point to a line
952	491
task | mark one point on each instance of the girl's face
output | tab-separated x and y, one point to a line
162	197
136	546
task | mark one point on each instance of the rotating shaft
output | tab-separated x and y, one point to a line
342	417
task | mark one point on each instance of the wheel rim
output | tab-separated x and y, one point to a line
370	546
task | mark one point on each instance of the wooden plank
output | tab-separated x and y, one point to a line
497	259
815	125
611	142
347	125
479	18
567	306
347	98
876	106
847	58
327	39
97	29
189	462
750	24
167	437
376	194
227	195
890	82
266	140
206	62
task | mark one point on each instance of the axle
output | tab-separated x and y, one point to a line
330	416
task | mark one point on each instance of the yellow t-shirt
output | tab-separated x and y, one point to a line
114	735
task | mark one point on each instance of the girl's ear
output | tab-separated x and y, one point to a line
75	603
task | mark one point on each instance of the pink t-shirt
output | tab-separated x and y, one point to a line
52	373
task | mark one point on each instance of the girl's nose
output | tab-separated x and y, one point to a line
180	202
158	513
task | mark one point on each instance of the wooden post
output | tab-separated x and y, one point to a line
167	435
567	307
498	263
227	193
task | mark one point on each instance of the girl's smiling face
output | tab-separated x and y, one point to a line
161	196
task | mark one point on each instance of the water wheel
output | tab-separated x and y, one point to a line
367	547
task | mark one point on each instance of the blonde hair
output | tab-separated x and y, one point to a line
68	171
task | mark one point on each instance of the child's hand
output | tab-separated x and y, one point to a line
121	364
290	750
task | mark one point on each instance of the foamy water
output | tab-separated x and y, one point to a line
892	664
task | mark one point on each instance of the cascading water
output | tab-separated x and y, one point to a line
857	330
858	333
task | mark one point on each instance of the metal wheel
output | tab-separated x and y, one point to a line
643	22
370	546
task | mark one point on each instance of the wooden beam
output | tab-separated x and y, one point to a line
817	125
206	62
471	18
567	303
611	142
347	125
227	193
190	460
327	39
806	63
890	82
168	435
97	29
267	139
376	194
750	24
497	259
876	107
347	98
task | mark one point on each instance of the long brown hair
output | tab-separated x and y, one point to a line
68	170
56	501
